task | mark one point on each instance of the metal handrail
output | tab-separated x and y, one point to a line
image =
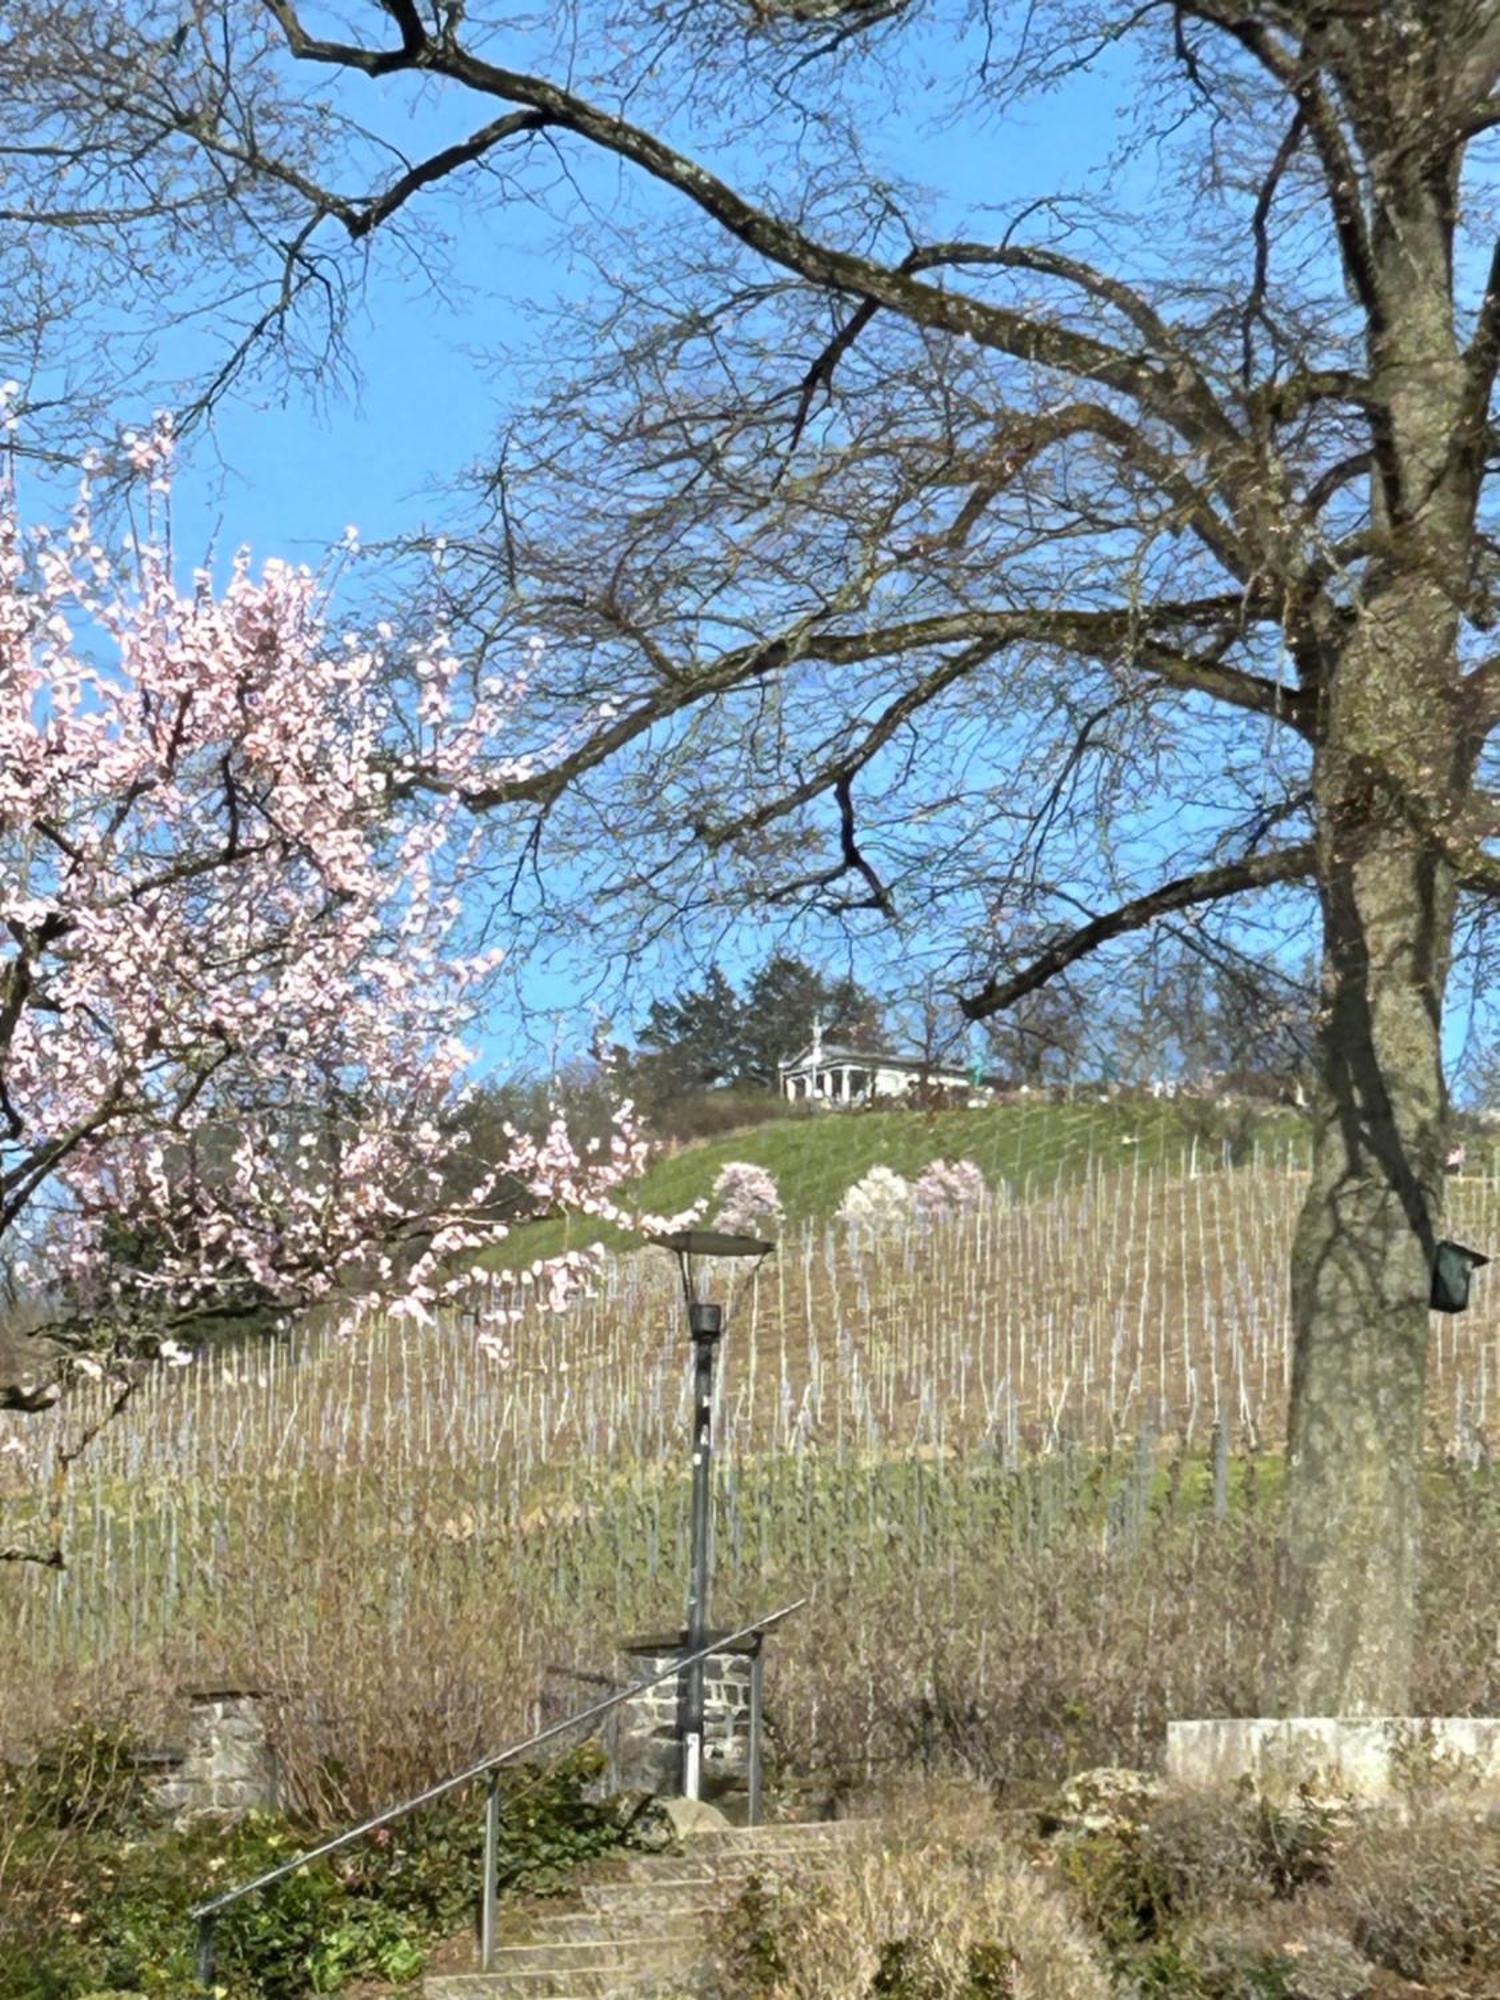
205	1915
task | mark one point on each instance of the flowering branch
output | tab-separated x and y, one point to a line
234	976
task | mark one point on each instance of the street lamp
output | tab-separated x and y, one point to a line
705	1323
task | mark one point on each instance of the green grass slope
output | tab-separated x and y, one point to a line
814	1159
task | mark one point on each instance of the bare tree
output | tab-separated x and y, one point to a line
138	261
1195	1008
911	573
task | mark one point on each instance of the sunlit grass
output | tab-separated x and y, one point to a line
1027	1147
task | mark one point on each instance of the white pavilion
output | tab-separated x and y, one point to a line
828	1073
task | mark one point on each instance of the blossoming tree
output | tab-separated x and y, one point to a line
234	972
879	1204
948	1188
748	1201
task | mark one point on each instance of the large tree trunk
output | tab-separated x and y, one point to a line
1363	1254
1393	759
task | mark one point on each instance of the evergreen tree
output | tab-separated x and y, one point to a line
781	1003
707	1035
695	1038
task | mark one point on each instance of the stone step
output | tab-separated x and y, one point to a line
588	1954
672	1892
817	1839
789	1834
642	1926
727	1867
818	1854
632	1972
680	1922
553	1985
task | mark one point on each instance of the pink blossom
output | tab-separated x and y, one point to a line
949	1188
748	1202
234	986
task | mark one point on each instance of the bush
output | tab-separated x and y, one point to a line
1423	1898
932	1907
1249	1961
86	1911
1206	1850
86	1779
1233	1897
1157	1890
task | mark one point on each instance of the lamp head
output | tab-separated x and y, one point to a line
691	1248
705	1321
710	1243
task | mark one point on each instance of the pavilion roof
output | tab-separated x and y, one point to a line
840	1052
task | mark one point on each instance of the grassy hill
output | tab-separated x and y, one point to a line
1029	1147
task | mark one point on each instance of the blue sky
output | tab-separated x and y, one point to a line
286	473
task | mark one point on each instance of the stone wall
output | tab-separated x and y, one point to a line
1358	1757
226	1765
646	1750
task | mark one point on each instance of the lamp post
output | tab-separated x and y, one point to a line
706	1326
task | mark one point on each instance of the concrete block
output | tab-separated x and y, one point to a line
692	1816
1361	1757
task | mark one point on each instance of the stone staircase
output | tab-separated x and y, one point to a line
640	1924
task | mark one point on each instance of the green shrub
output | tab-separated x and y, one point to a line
90	1911
1210	1849
994	1972
750	1947
87	1778
1228	1961
909	1969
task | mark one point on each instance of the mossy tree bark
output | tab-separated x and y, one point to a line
1392	765
1362	1258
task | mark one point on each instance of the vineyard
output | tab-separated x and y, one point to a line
987	1441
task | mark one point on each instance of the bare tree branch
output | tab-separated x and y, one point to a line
1157	383
22	1552
1209	885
